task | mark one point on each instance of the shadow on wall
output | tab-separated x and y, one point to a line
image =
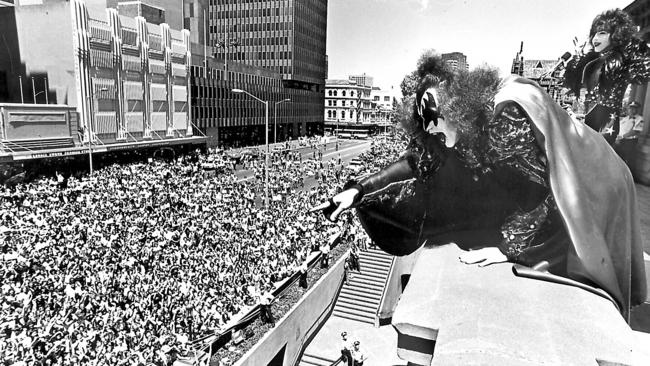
16	85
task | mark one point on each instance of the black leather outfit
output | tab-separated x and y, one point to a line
495	192
606	76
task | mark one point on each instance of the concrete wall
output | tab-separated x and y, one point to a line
402	266
300	323
457	314
33	121
38	43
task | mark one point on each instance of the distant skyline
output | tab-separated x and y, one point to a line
384	38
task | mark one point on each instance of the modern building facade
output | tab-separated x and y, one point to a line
455	60
127	80
287	36
273	49
234	119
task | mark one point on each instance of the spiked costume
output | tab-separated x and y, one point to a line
606	75
519	177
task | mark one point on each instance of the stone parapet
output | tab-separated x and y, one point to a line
457	314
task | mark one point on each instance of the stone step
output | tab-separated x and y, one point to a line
374	258
365	303
350	316
313	360
361	292
383	272
365	283
353	309
370	277
372	265
379	257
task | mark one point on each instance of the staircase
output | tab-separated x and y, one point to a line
359	300
311	360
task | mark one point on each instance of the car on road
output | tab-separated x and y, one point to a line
355	165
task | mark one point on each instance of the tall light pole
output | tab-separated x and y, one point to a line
266	135
275	119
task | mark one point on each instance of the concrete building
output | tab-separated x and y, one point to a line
456	60
274	57
363	80
286	36
347	102
152	14
383	105
171	11
127	80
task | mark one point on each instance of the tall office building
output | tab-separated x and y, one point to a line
456	60
287	36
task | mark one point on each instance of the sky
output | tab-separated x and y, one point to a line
384	38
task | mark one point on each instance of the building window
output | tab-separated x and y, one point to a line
329	114
333	114
352	93
342	114
386	99
375	98
343	93
335	92
330	93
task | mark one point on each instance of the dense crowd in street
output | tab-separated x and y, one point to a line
131	264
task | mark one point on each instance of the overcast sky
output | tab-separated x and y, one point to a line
384	38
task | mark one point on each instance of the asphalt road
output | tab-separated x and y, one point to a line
347	150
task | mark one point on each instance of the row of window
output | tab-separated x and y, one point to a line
333	114
334	93
332	103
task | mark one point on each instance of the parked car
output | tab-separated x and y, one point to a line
356	166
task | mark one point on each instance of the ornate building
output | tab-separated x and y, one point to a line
127	79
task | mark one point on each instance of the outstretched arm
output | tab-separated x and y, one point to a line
353	191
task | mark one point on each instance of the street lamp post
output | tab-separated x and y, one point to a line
275	119
266	133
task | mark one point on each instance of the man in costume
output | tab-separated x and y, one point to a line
515	182
611	60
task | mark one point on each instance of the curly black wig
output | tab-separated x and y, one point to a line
617	23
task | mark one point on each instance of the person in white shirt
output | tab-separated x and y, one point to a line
357	355
632	124
631	128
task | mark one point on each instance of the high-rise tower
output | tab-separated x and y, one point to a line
287	36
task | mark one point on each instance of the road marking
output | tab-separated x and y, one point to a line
346	149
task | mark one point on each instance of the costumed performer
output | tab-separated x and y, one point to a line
515	180
612	59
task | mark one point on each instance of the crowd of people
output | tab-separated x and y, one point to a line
131	264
